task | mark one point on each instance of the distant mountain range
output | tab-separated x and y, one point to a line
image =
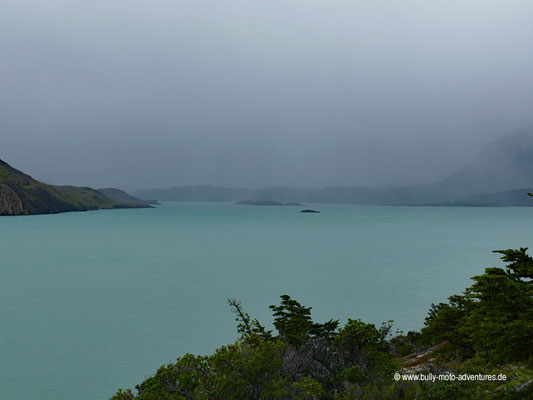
20	194
121	197
505	164
264	203
505	198
499	175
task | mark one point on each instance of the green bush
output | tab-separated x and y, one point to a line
489	329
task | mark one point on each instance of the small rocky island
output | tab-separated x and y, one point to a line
308	210
20	194
266	203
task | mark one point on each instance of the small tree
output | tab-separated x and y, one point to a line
501	323
250	329
494	317
293	322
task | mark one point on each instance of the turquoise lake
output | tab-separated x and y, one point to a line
95	301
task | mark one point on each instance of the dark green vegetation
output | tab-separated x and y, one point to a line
20	194
265	203
505	164
487	330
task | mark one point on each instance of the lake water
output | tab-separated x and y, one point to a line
90	302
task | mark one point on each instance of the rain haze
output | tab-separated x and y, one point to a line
143	94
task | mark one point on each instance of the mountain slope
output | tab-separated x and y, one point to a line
123	198
504	164
194	193
20	194
504	198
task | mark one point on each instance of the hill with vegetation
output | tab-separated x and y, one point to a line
504	164
20	194
121	197
485	332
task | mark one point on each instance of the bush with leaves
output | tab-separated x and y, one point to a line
489	329
306	360
494	317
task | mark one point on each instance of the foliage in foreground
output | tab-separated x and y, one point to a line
487	330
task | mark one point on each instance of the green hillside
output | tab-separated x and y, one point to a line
20	194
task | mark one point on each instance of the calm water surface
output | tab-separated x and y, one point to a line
90	302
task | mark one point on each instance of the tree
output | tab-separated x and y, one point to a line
293	322
250	329
501	323
494	317
446	322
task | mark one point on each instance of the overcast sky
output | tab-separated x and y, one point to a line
142	94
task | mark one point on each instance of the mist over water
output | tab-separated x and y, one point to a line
238	93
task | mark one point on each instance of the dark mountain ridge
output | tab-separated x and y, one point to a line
121	197
504	198
504	164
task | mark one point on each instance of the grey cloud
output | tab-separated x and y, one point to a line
140	94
